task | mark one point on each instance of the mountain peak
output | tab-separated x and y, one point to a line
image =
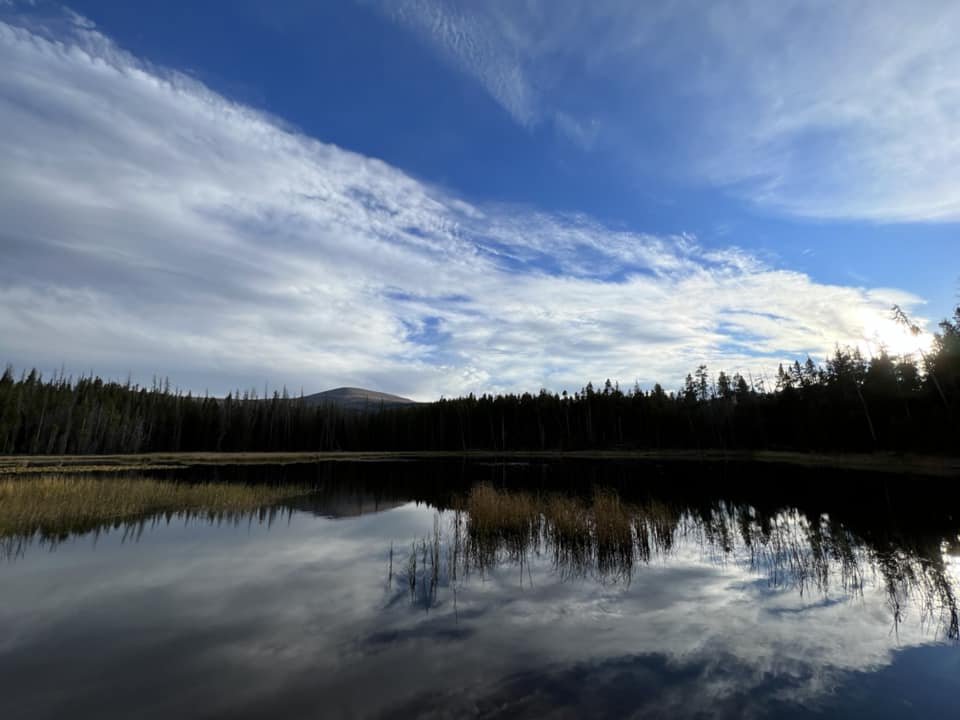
357	398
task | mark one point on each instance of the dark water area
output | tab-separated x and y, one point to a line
744	591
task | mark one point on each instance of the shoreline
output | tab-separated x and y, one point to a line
888	463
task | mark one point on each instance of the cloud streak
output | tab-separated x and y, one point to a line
154	226
816	109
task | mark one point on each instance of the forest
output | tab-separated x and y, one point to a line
846	404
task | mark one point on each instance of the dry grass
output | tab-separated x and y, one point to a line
581	534
496	520
567	529
612	532
503	513
608	538
54	505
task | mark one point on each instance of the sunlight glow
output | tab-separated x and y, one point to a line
880	333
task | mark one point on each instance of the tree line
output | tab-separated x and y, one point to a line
847	403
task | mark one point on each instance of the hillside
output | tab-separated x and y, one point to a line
356	399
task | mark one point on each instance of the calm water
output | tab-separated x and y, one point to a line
760	593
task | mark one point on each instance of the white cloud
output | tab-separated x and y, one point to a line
841	110
153	226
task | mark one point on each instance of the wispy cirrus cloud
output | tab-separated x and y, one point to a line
833	110
154	226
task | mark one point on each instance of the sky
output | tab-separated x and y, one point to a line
433	198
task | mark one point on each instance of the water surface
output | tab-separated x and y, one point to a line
787	594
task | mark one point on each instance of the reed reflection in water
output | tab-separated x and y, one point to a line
609	541
637	599
602	537
51	508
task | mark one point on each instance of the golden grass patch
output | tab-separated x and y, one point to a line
56	504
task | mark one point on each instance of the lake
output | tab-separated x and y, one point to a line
490	589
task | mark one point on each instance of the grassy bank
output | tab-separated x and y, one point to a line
54	504
936	466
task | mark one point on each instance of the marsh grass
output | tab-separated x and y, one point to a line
54	506
567	532
582	535
499	521
613	534
606	538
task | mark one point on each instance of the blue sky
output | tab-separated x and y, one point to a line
435	198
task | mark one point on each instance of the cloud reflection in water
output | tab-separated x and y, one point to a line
730	614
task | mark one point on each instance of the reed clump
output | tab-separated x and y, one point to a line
501	520
567	530
582	535
607	537
55	505
612	533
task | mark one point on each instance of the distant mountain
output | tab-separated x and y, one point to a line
357	399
